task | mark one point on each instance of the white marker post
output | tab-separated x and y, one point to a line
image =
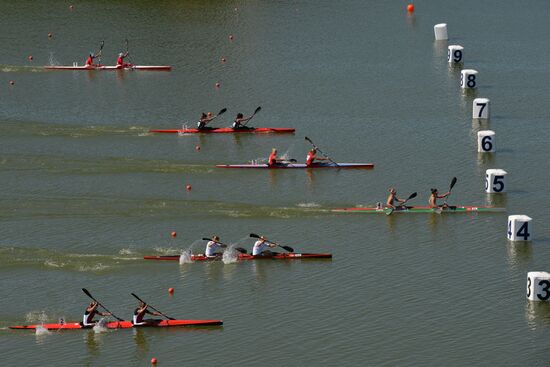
519	228
468	79
486	141
538	286
440	31
480	108
495	181
455	54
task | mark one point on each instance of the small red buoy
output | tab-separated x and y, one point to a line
231	37
197	148
171	290
188	187
173	234
50	35
223	60
410	8
154	361
12	82
218	84
30	57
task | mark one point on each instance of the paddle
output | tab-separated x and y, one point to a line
411	196
128	53
99	53
320	151
240	249
222	111
255	112
105	308
288	248
148	305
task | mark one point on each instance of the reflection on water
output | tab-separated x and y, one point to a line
500	200
537	314
518	253
484	159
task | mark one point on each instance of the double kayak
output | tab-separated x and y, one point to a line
422	209
121	325
279	256
299	165
114	67
227	130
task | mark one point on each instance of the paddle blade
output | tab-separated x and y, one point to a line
412	196
87	293
136	297
222	111
205	239
288	248
257	110
241	250
253	235
308	139
453	182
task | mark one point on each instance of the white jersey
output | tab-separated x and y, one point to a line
87	319
259	247
211	248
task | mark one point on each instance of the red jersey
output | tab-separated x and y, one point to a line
272	159
90	61
309	158
120	61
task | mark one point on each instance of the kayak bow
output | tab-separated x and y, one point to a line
221	130
299	166
422	209
121	325
281	256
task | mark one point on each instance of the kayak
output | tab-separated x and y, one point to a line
299	165
221	130
106	67
280	256
422	209
121	324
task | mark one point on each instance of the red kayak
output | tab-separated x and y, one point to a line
280	256
226	130
299	165
122	324
107	67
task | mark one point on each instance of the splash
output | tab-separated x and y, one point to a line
100	326
309	205
41	330
36	316
230	255
185	257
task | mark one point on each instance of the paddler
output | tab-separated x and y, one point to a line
432	202
120	61
393	199
205	119
89	314
273	160
239	120
312	156
212	246
91	57
139	314
261	247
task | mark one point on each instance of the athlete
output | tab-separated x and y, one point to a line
432	202
261	247
239	120
139	314
273	159
91	311
91	57
120	61
392	199
212	246
312	157
205	119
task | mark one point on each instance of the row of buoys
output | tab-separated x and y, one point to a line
519	226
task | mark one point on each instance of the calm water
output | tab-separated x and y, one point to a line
87	191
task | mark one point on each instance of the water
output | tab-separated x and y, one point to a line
87	191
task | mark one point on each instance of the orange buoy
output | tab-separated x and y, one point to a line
231	37
171	290
410	8
188	187
30	57
197	148
12	82
218	84
223	60
50	35
153	361
173	234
